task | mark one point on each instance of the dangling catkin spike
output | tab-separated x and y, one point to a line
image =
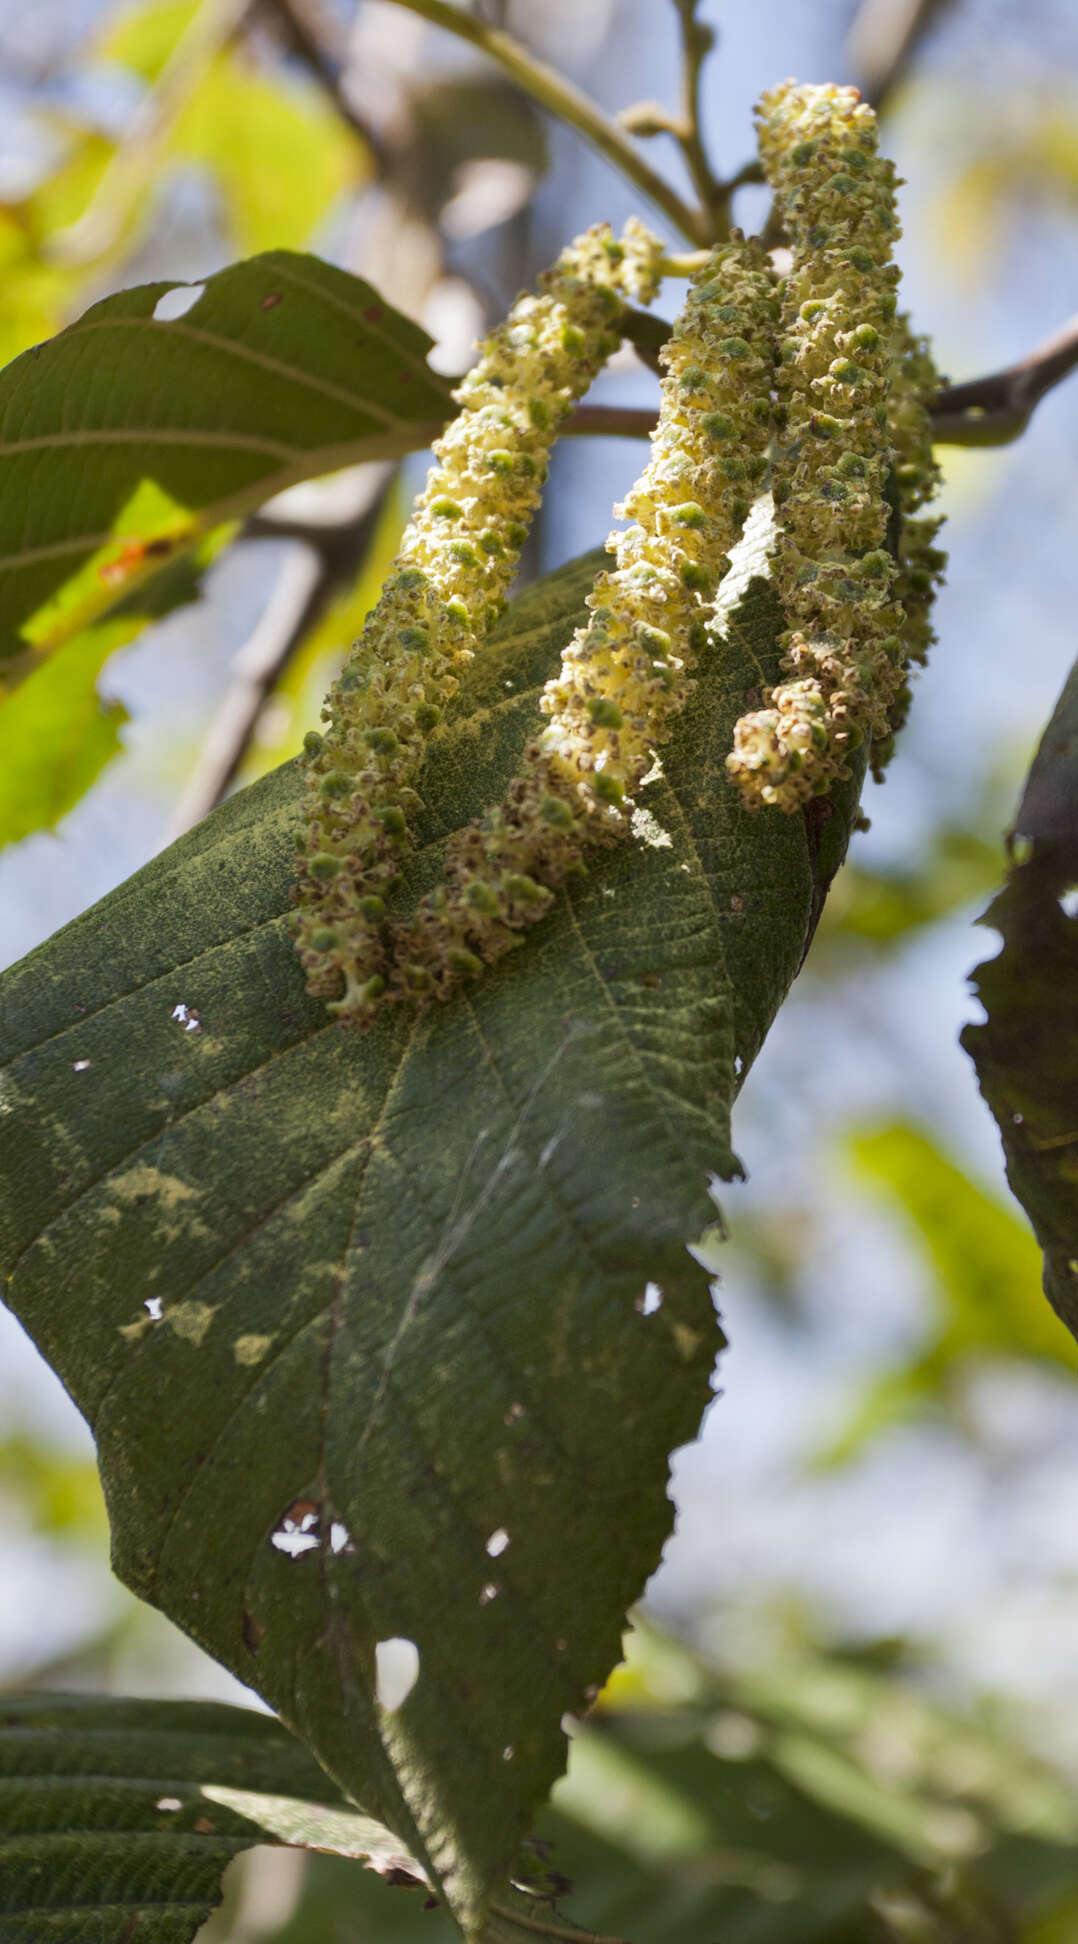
447	587
832	572
914	379
626	673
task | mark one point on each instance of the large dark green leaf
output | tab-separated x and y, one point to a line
126	438
1026	1051
360	1321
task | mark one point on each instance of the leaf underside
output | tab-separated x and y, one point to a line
400	1273
1026	1051
126	438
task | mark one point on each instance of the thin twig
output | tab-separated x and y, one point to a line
697	41
561	97
983	411
312	39
610	422
102	225
320	559
996	409
883	39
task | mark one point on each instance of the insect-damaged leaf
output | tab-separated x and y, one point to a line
130	435
362	1321
1026	1051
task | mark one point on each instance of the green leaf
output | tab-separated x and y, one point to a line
357	1319
279	152
1026	1052
125	440
118	1818
56	733
986	1291
57	738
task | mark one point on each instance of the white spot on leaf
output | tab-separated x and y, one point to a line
396	1671
648	830
298	1531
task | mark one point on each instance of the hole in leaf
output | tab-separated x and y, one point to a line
489	1592
396	1671
739	1064
187	1017
176	303
498	1541
80	1066
650	1301
569	1724
340	1539
168	1804
298	1531
154	1307
1068	903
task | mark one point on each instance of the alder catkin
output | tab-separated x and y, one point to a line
914	379
832	571
626	673
447	587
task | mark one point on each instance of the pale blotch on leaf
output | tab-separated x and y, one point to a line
396	1671
192	1319
250	1349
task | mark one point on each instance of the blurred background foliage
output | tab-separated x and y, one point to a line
861	1722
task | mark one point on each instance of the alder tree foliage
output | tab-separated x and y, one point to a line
355	1150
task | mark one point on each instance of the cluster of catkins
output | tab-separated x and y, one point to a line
816	377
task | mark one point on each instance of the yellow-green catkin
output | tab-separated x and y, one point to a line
914	379
447	587
626	673
833	573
